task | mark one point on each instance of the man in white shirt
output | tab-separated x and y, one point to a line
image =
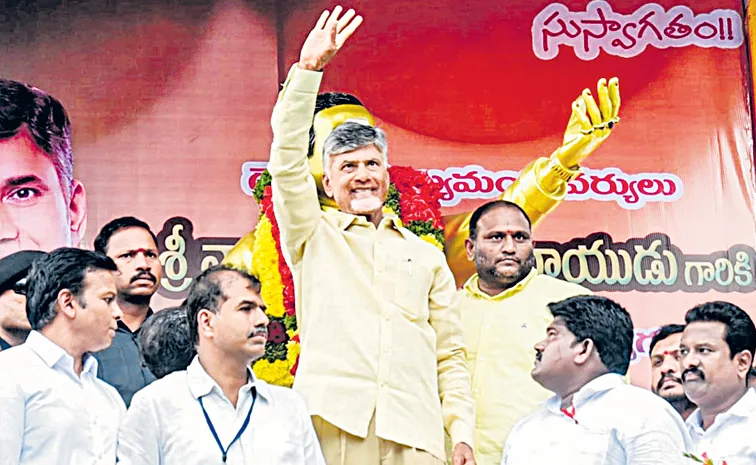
718	346
54	409
216	411
595	418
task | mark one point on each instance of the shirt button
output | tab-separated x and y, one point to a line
482	359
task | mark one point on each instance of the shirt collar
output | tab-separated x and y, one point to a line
52	354
201	384
473	287
344	220
745	407
593	388
122	326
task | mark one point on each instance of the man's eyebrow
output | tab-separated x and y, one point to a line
21	180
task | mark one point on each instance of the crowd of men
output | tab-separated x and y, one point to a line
517	368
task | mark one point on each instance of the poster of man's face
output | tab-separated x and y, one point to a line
41	206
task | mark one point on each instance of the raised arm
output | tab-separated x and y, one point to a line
542	185
295	198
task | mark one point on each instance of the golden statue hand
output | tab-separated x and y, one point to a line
590	123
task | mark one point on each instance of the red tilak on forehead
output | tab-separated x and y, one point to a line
671	352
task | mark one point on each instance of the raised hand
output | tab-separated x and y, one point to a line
590	123
327	38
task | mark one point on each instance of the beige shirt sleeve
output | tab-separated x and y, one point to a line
295	197
454	388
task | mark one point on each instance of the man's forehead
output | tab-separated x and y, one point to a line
505	219
668	344
369	152
237	288
131	238
704	331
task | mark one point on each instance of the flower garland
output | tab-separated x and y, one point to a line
704	459
412	196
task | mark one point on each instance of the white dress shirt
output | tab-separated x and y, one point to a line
48	414
165	424
732	436
614	424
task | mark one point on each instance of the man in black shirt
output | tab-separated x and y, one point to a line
14	325
133	247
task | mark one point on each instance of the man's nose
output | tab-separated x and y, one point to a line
141	262
261	318
508	245
363	174
116	311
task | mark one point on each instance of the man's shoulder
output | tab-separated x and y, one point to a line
15	358
554	287
279	395
167	388
636	402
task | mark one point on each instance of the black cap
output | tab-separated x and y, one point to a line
16	266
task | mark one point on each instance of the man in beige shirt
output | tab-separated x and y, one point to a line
382	367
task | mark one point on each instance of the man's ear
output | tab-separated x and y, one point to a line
583	351
327	187
470	249
67	304
206	323
77	213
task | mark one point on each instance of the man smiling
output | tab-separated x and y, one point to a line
382	365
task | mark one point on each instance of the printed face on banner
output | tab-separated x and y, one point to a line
35	213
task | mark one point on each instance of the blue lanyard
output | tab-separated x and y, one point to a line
241	430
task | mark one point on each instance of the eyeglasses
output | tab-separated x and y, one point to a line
20	286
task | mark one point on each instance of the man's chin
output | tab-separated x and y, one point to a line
365	206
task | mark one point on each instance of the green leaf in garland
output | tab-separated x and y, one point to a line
392	200
290	322
420	228
263	181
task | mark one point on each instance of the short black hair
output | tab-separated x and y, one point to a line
206	292
43	116
165	343
663	333
488	206
740	332
64	268
103	237
329	100
604	322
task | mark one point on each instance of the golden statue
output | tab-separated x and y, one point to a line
540	187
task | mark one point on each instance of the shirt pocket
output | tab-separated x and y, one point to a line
412	284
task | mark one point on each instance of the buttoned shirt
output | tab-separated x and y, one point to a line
609	423
165	424
121	364
732	436
501	331
51	415
379	319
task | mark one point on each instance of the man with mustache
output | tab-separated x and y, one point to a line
382	362
504	314
53	409
595	417
718	347
217	411
133	247
666	381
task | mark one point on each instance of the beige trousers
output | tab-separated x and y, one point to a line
341	448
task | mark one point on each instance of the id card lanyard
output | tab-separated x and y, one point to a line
224	452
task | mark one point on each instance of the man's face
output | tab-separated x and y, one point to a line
13	313
240	326
135	253
503	248
358	181
666	371
34	213
97	311
554	361
710	374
